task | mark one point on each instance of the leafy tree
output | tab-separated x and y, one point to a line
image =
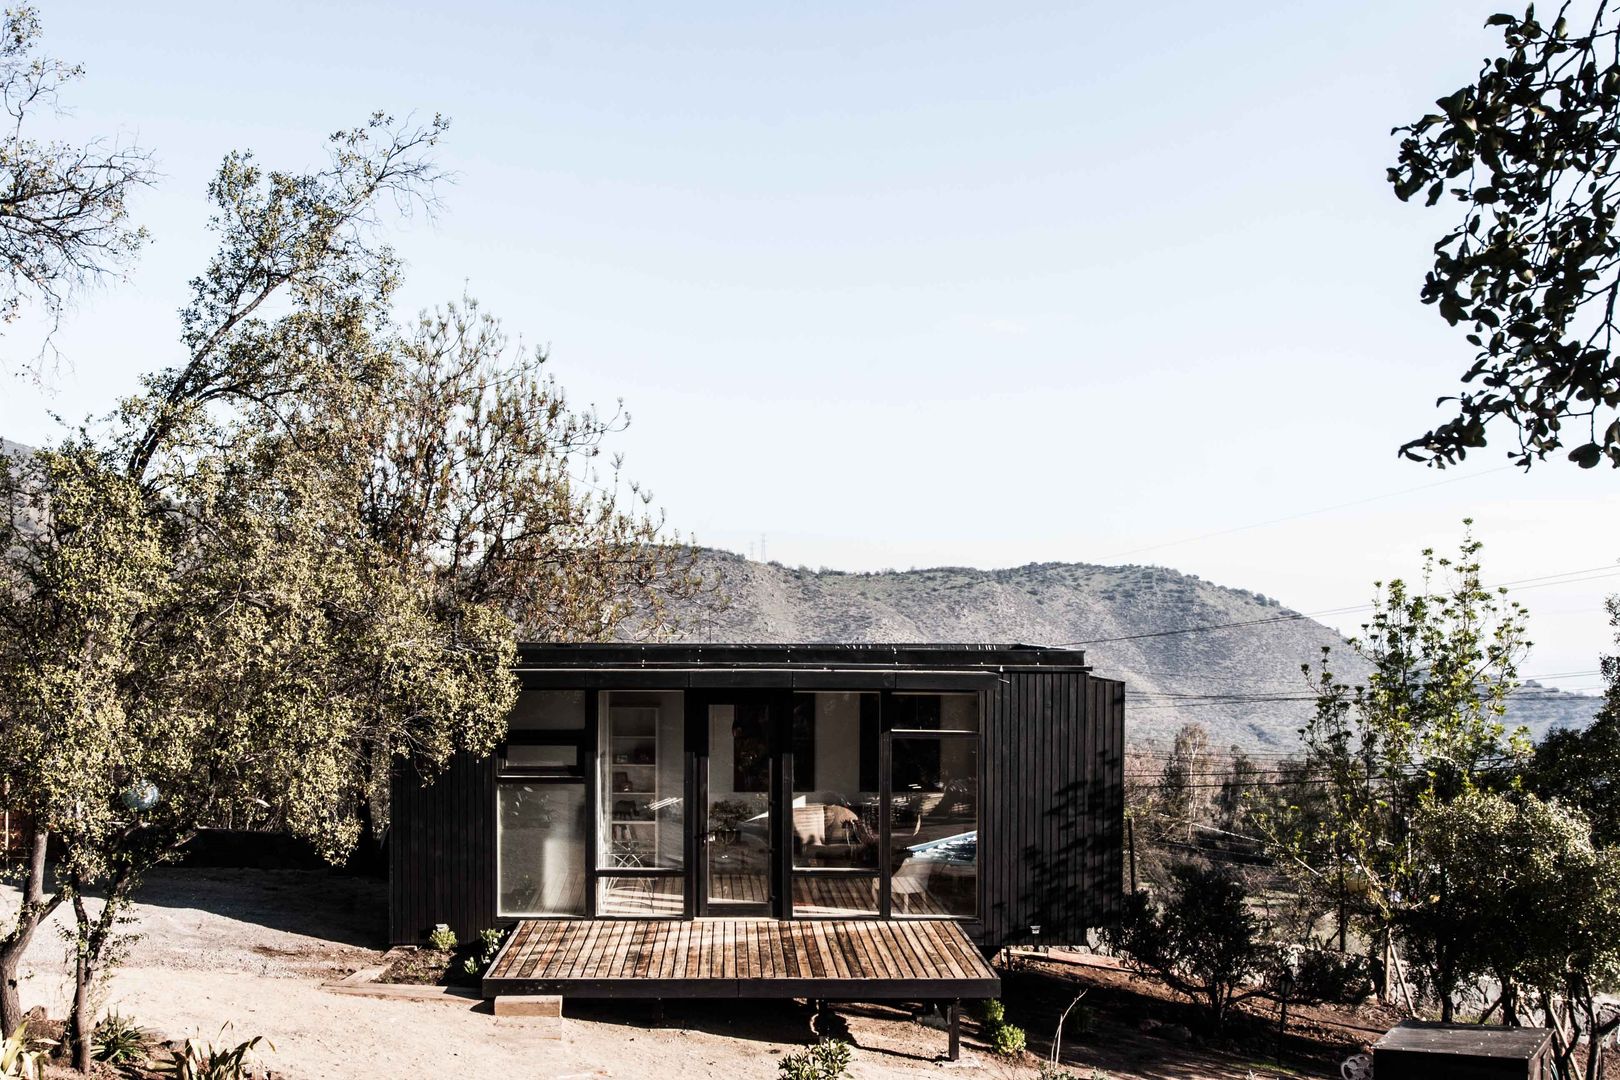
1426	727
1580	767
1182	799
1513	889
1533	267
1204	942
1234	801
347	525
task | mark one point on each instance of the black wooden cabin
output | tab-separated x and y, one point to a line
977	788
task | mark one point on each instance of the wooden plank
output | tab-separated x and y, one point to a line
535	955
830	956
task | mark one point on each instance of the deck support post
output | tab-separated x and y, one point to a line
956	1030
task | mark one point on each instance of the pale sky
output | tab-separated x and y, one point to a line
900	285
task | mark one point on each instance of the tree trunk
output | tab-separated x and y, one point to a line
83	1025
36	908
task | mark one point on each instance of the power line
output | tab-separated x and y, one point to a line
1570	578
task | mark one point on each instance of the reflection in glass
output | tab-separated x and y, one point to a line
541	848
834	896
739	846
836	819
644	898
642	781
934	827
549	710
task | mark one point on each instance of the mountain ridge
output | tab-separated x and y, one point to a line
1185	647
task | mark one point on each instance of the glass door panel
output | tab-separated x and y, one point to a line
737	841
934	836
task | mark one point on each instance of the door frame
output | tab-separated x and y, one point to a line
779	797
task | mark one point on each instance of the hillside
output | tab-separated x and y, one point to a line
1170	677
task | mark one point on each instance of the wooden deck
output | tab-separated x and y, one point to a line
838	959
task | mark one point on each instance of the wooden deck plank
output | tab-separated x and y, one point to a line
915	955
839	958
898	954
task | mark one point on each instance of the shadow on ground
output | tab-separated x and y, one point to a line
886	1030
323	904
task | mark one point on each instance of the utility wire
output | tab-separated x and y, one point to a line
1544	581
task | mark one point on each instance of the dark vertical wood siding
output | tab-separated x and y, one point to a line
441	841
1051	835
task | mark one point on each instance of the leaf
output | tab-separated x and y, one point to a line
1586	456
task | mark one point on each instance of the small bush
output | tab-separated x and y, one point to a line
1049	1071
827	1060
1007	1039
489	943
118	1041
443	938
1329	975
992	1012
201	1060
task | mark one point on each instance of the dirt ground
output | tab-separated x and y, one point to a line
251	948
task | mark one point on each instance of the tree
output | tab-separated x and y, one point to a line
1182	799
208	487
64	208
1204	942
1426	727
1514	890
1580	767
1533	268
350	524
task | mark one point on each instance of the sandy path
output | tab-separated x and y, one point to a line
251	948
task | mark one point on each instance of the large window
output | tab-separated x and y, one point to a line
541	848
540	819
641	830
837	805
934	805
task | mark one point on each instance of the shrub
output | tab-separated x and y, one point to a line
489	943
118	1041
1007	1039
1204	943
17	1060
200	1060
443	938
827	1060
1328	975
992	1012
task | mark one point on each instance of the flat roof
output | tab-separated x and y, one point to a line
1464	1040
806	655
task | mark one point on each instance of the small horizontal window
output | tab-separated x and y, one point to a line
934	712
549	710
540	758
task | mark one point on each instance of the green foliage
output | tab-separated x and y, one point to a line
118	1040
202	1060
443	938
301	555
1050	1071
1426	727
1515	891
489	943
19	1058
1529	151
992	1011
827	1060
1204	942
1007	1039
1329	975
